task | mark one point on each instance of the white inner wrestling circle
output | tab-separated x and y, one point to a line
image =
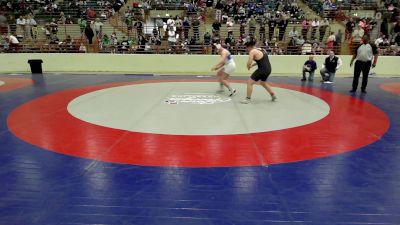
197	110
2	83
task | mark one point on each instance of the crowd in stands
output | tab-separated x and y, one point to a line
235	21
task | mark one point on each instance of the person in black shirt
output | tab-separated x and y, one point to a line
271	27
216	27
349	28
260	56
331	65
89	33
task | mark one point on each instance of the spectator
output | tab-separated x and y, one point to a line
98	27
13	43
293	33
186	28
178	25
216	26
53	26
380	39
68	43
113	42
243	25
82	24
385	27
314	27
207	39
330	66
357	35
306	48
262	30
32	26
330	42
159	24
272	23
305	26
252	26
339	37
229	25
300	41
89	33
82	48
61	19
230	42
309	67
218	10
21	23
349	28
323	26
124	45
396	28
195	25
91	13
139	27
69	20
172	38
282	24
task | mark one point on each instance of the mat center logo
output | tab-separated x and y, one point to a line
197	98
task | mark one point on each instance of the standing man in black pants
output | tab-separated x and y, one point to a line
364	56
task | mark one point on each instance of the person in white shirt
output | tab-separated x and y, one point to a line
366	56
98	25
293	33
21	22
379	40
314	27
229	25
323	25
31	26
226	66
357	35
13	42
171	22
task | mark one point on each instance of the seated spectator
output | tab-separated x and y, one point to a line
54	40
68	43
61	19
330	42
300	41
82	48
82	24
309	67
306	48
293	33
13	43
379	40
105	42
207	39
124	45
53	26
230	42
69	20
216	26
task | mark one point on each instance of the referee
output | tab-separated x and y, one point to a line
364	56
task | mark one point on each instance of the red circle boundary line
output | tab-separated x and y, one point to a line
46	123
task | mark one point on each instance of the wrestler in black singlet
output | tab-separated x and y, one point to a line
264	68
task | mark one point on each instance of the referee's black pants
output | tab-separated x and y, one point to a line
359	67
